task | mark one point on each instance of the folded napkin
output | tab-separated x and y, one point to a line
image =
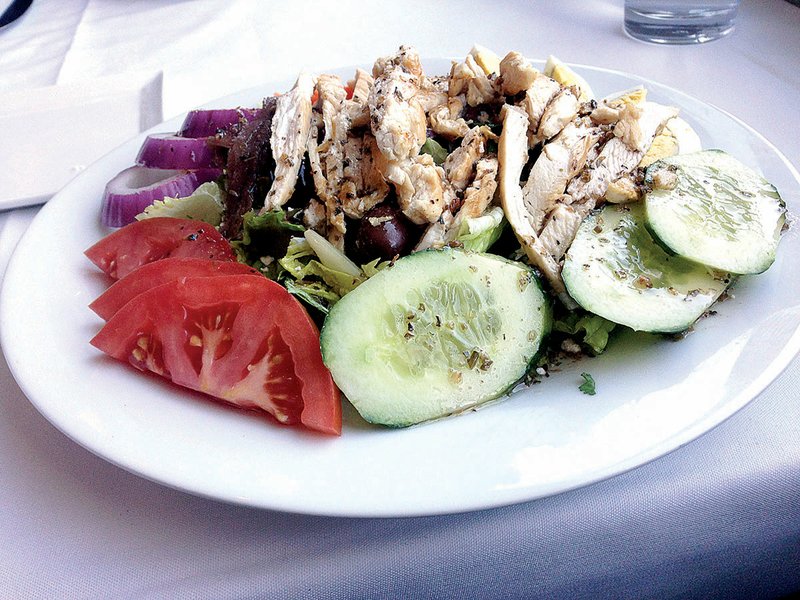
96	51
52	133
32	48
206	49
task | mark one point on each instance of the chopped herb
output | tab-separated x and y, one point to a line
588	386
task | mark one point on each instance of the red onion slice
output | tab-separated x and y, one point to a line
136	188
168	151
205	123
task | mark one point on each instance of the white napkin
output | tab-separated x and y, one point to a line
205	48
49	134
33	47
96	51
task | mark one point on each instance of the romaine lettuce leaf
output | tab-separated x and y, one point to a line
204	204
587	329
265	238
479	233
318	285
313	293
435	150
301	263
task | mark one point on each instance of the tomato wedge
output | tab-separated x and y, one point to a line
242	339
148	240
161	271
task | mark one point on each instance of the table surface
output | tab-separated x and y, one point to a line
717	518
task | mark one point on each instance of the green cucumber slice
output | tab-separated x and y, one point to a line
439	332
615	269
715	210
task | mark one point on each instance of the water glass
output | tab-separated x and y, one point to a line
679	21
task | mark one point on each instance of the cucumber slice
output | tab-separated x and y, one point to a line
709	207
438	332
615	269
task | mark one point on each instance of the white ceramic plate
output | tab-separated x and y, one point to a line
653	395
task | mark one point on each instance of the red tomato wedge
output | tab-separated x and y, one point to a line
148	240
161	271
242	339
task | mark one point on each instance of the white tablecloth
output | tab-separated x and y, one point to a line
717	518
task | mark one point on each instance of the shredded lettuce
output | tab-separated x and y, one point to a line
479	233
313	293
204	204
320	286
265	238
301	263
588	329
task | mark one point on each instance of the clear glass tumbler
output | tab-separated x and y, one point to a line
679	21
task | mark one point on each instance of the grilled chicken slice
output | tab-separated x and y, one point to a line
328	155
560	160
476	201
561	110
363	186
559	230
357	107
516	74
537	97
331	102
419	186
633	134
480	193
470	79
344	174
513	155
459	166
445	119
289	140
399	125
432	92
397	118
478	174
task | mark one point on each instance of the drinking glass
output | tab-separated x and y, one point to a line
679	21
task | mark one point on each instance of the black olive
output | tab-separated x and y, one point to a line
384	232
304	188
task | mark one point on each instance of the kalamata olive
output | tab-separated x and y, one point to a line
384	232
304	188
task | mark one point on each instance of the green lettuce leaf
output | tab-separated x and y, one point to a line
436	151
301	263
320	286
313	293
587	329
265	238
204	204
480	233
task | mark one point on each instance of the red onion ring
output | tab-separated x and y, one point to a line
136	188
168	151
205	123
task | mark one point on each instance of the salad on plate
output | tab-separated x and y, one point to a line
418	244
